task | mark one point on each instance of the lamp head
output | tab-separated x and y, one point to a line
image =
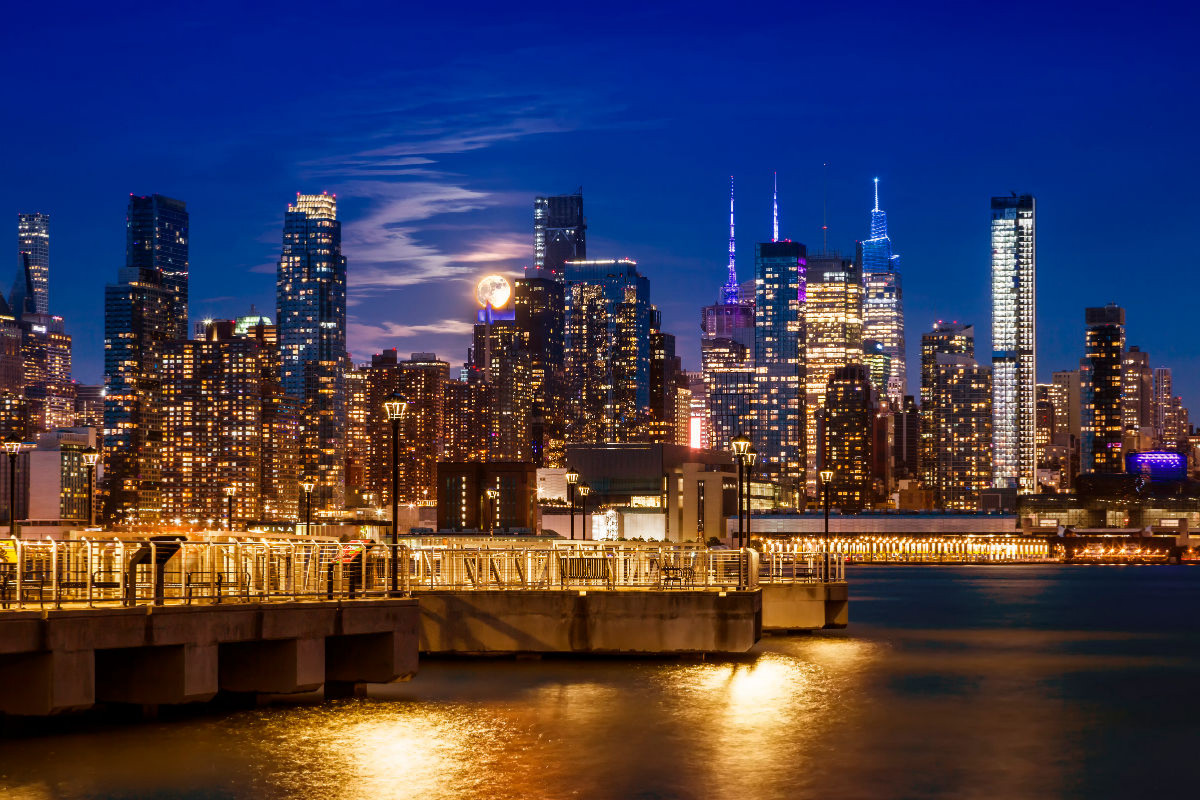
572	477
826	475
751	457
230	491
12	448
740	444
584	489
307	486
395	408
91	456
493	493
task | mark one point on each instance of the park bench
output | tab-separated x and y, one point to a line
576	569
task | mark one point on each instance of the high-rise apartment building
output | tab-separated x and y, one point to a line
539	307
883	303
607	351
559	233
667	380
143	312
1100	386
497	354
946	338
156	238
1014	342
847	428
833	321
46	351
1170	417
780	274
1137	400
960	423
310	306
31	288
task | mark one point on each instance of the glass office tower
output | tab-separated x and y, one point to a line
156	238
780	273
883	303
33	265
1014	344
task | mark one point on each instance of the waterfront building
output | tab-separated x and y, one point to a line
559	233
1137	401
607	351
946	338
1100	387
46	368
32	284
156	239
310	304
833	323
1170	417
466	413
780	273
505	365
883	302
960	421
144	311
848	422
1014	342
539	308
667	380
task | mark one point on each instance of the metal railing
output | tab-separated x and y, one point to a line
796	567
580	566
122	572
44	573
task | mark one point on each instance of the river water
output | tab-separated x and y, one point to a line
963	682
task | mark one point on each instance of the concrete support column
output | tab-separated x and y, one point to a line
369	658
157	675
273	666
47	682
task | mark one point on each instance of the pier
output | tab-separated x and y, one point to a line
167	621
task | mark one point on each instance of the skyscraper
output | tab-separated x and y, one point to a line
883	303
1100	385
497	355
1014	343
946	338
848	421
1170	417
156	238
539	306
833	323
559	232
1137	400
960	422
780	273
31	288
310	304
607	351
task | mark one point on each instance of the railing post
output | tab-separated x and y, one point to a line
54	562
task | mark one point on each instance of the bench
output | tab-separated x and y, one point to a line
670	573
584	568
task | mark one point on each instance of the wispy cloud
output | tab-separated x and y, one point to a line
373	337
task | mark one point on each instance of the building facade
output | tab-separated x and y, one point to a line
960	420
1101	388
883	302
33	263
848	423
1014	342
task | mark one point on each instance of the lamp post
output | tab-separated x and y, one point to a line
13	449
741	446
307	486
584	491
90	457
395	409
492	493
572	479
826	477
230	491
751	457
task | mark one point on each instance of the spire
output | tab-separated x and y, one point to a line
775	210
876	195
729	293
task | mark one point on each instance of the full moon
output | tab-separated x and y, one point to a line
493	291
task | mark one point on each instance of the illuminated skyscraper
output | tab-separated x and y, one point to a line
31	288
961	431
1170	417
1100	384
667	379
883	304
847	426
834	335
780	273
156	238
727	356
559	232
310	305
607	373
1014	343
946	338
539	306
1137	400
505	366
46	356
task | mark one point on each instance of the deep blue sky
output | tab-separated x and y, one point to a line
436	125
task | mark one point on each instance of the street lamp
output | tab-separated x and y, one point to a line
492	494
308	486
572	479
13	449
230	491
751	457
826	477
395	409
741	446
584	491
90	457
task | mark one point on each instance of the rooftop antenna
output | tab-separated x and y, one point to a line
730	291
775	210
876	195
825	209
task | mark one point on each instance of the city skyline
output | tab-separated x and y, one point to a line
452	202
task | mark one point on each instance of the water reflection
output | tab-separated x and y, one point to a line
940	688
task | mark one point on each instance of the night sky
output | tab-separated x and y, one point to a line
437	124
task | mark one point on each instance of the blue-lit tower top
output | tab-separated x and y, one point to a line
877	251
729	292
